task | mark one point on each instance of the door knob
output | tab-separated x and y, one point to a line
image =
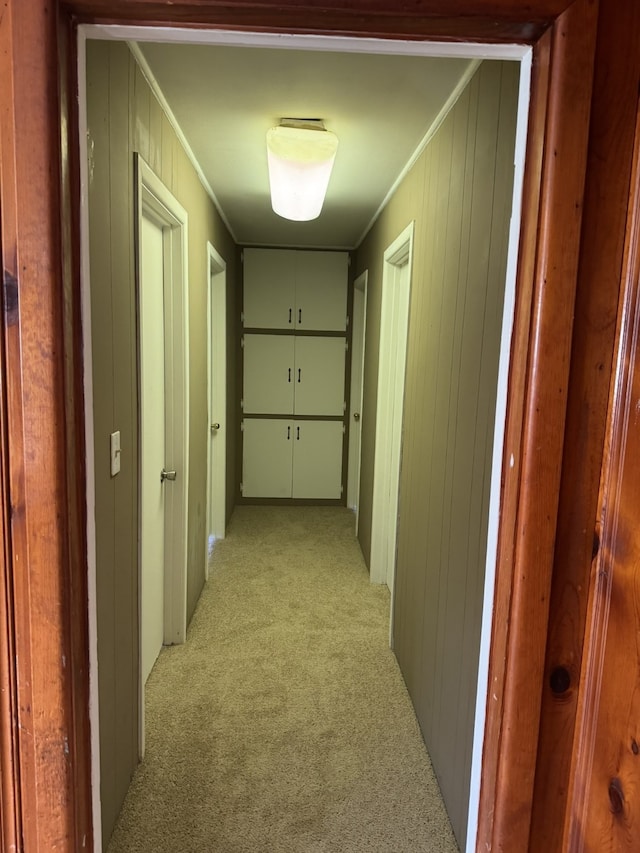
167	475
215	426
356	416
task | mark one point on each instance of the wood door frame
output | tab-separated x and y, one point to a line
397	255
216	390
44	632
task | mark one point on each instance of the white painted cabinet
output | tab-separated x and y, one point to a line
295	289
296	375
267	458
299	459
319	376
317	459
269	288
268	383
285	375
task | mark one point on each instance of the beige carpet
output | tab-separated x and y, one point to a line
283	723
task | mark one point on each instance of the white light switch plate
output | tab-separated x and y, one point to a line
115	453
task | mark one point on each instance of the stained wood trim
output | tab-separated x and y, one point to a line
44	570
534	445
617	76
613	572
47	589
457	20
10	418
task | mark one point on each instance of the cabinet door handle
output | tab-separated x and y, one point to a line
289	374
297	433
290	313
299	374
299	315
288	433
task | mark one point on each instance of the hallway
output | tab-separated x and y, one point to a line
283	723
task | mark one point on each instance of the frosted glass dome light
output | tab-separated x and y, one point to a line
300	158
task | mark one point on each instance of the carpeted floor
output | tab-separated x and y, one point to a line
283	723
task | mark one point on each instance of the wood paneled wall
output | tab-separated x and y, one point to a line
124	117
459	194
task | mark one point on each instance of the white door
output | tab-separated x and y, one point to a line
152	425
319	376
266	457
217	409
268	375
317	459
355	397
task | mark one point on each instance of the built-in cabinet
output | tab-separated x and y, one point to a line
293	392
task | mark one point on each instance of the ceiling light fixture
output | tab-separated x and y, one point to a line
300	154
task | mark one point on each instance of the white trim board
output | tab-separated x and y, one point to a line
394	324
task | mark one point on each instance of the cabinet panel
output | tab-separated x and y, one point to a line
269	288
317	459
268	385
319	376
321	291
267	447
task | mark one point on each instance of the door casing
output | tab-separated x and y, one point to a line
46	624
158	203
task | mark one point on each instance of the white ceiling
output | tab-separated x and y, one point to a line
226	98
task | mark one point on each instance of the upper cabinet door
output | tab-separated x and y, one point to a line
269	288
321	291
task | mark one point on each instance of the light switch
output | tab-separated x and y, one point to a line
115	453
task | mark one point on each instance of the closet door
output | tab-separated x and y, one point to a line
319	376
317	459
269	288
267	447
268	375
321	291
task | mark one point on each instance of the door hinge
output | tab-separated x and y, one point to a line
241	426
344	429
242	316
242	404
344	406
346	345
242	342
242	489
341	489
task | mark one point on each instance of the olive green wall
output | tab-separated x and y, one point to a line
459	194
125	117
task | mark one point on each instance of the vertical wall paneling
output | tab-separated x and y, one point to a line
124	117
460	196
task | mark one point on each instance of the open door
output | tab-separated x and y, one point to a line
217	388
358	336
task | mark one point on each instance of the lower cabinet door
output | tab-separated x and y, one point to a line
317	459
267	454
